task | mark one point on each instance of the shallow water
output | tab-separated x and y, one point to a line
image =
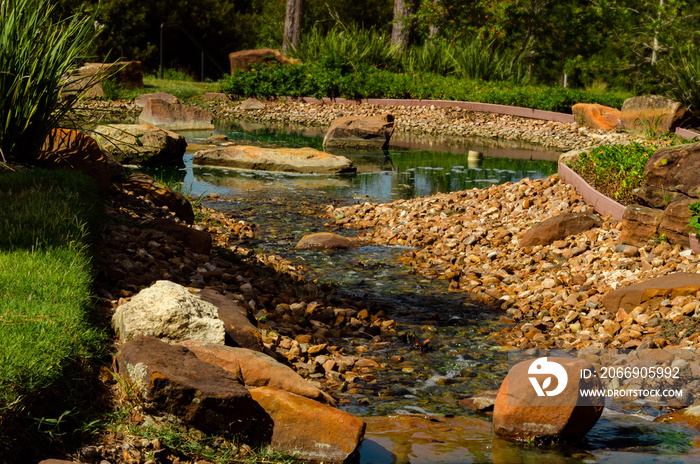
461	360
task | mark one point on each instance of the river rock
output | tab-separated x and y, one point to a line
371	132
170	312
140	143
596	116
171	379
651	113
653	290
67	148
255	369
245	59
240	326
521	414
307	429
199	241
175	116
144	98
558	228
161	195
301	160
325	241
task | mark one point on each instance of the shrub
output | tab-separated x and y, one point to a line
37	53
685	78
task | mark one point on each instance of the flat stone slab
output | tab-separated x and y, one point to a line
325	241
240	330
665	287
140	143
373	132
300	160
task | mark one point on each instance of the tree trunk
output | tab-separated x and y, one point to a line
655	48
401	30
292	24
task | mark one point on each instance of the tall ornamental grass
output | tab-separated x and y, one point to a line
684	78
36	54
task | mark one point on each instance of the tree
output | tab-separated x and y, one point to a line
292	24
401	29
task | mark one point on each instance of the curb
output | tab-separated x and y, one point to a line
601	203
472	106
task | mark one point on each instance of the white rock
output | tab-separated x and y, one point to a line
170	312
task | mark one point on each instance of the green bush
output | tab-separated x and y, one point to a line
333	78
685	78
47	222
37	53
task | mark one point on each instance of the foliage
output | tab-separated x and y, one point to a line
695	218
615	170
334	78
183	89
685	78
37	53
47	222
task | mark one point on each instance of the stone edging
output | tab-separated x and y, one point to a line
601	203
472	106
686	134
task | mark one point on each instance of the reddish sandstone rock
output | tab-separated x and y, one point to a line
140	143
239	325
596	116
174	116
325	241
161	195
246	59
640	225
668	286
651	113
196	240
125	74
558	228
674	224
255	369
171	379
675	169
521	414
307	429
66	148
360	132
142	99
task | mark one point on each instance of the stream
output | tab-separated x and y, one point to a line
462	359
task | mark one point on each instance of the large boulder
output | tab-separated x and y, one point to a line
175	116
325	241
199	241
252	104
238	324
651	113
652	291
640	225
171	379
144	98
245	59
66	148
360	132
140	143
255	369
300	160
125	74
161	195
674	169
596	116
307	429
559	413
170	312
558	228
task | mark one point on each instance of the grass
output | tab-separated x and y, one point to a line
183	87
47	222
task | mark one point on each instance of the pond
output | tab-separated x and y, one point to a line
462	360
